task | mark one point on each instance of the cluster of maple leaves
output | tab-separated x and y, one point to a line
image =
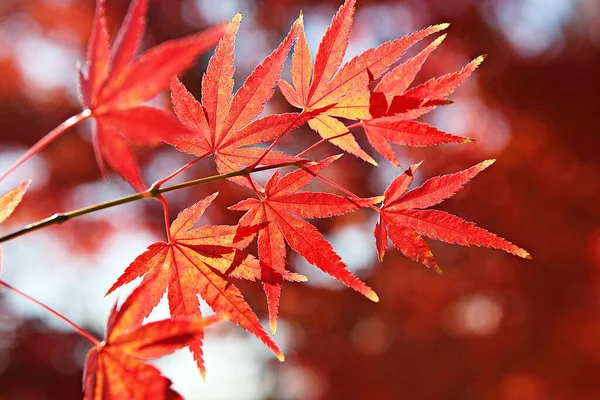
205	261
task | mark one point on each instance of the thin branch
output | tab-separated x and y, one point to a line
164	180
49	138
153	192
82	332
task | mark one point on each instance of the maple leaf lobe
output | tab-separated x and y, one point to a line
116	369
200	261
283	209
405	217
118	83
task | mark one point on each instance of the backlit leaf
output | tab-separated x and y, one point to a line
345	93
116	368
201	261
117	84
223	124
406	224
282	210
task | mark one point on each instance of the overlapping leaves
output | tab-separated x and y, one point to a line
282	210
204	261
223	124
397	125
117	84
386	113
116	367
201	261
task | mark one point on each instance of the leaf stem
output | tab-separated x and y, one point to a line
153	192
164	180
254	188
82	332
268	150
338	187
165	205
49	138
320	142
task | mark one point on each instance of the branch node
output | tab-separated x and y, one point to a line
60	218
153	191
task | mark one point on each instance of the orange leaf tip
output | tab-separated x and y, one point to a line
377	199
280	356
487	163
25	185
524	254
298	23
334	159
273	326
371	295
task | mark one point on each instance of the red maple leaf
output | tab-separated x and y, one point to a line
9	201
117	84
201	261
222	123
403	217
397	125
344	92
116	367
282	210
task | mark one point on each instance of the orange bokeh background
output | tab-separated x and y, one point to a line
493	327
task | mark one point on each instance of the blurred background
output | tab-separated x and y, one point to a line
493	327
